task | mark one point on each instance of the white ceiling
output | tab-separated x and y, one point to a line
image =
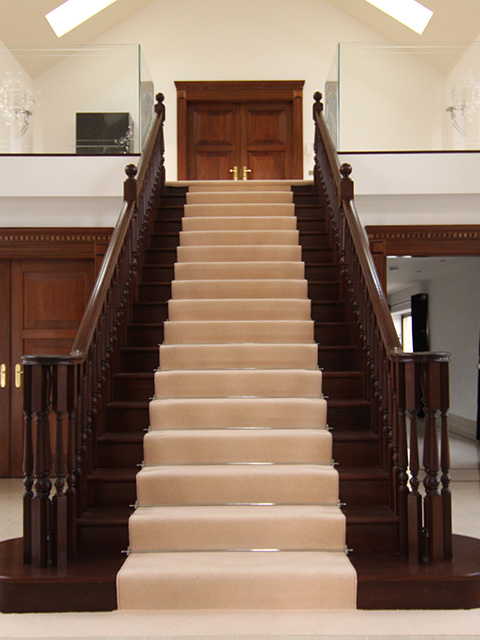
453	21
23	23
403	272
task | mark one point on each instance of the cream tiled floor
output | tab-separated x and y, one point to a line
262	625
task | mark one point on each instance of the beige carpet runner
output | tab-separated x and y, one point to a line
238	497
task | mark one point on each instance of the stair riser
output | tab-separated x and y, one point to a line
351	417
103	540
150	313
164	273
120	455
347	387
113	494
291	413
161	256
337	359
164	240
167	226
321	272
127	419
314	240
133	388
323	290
238	356
312	224
223	446
316	254
248	288
260	581
151	532
370	535
155	292
212	384
173	212
362	454
166	488
142	336
333	311
140	361
333	334
238	332
230	309
366	493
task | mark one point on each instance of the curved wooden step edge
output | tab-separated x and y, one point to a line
384	582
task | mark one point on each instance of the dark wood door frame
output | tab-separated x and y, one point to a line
240	91
421	241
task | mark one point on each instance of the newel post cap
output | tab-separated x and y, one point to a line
318	104
130	184
346	183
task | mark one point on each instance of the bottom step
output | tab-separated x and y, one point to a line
237	580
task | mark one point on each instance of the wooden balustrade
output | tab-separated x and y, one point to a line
398	384
64	395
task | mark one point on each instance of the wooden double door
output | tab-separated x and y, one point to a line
239	130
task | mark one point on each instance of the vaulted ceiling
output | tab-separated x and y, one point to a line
22	23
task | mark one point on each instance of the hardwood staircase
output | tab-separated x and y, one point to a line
363	483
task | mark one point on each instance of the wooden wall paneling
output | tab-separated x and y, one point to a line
6	374
47	307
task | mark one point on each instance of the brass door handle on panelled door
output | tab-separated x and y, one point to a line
246	172
18	375
235	172
3	376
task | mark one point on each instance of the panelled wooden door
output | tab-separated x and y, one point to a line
253	136
253	126
43	302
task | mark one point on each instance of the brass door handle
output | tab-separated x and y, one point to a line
246	172
18	375
3	376
235	172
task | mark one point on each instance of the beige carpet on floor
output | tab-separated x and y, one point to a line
238	497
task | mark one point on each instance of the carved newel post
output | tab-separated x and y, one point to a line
130	184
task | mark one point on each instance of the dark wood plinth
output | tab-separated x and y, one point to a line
86	585
384	582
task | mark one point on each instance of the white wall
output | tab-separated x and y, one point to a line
93	79
9	143
389	99
463	86
454	322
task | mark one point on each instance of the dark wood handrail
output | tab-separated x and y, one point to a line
398	383
71	390
97	298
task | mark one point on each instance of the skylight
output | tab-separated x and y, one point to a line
409	12
73	12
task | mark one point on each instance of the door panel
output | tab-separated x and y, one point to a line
213	135
268	124
267	165
254	135
48	300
